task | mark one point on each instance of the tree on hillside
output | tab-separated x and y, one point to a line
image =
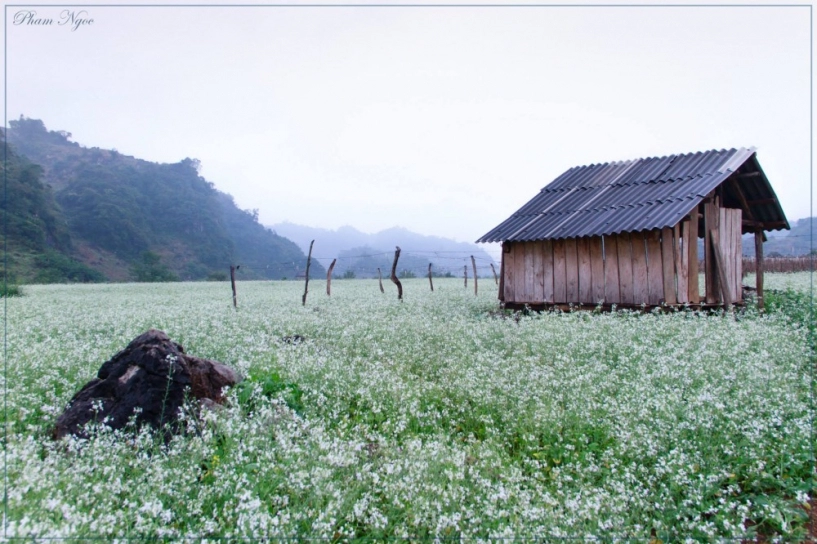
151	269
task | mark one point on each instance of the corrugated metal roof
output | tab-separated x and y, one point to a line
642	194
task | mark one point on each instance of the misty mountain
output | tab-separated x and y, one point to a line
785	243
100	215
363	253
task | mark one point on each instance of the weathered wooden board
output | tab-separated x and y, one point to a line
597	270
508	273
682	261
723	277
737	240
538	272
520	274
585	270
571	270
692	258
547	270
668	263
502	276
655	268
612	294
530	270
640	285
625	268
725	242
559	272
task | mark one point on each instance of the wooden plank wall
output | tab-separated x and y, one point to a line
650	267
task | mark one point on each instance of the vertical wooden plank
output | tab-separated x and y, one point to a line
724	241
640	285
530	272
502	269
625	268
519	272
655	269
508	272
737	236
559	272
538	295
547	270
682	261
612	295
585	270
571	271
596	270
668	264
723	277
694	289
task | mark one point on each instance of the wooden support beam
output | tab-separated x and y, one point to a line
749	175
761	201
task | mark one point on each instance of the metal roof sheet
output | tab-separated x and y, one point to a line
642	194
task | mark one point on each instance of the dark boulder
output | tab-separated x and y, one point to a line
148	379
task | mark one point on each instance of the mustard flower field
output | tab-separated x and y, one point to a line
438	417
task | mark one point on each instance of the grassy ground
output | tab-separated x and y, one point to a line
436	417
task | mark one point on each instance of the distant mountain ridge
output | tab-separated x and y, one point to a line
104	215
364	253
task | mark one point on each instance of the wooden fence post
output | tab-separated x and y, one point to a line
394	275
380	280
430	283
474	265
329	278
306	282
465	275
232	283
496	280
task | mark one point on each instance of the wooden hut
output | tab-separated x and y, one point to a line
626	233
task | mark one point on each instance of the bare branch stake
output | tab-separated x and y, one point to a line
329	278
232	283
394	275
306	282
474	265
380	280
431	283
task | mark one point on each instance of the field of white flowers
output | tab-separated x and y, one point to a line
436	417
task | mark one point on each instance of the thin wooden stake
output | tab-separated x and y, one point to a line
306	280
496	280
380	280
232	283
430	283
759	265
474	265
394	275
329	278
465	274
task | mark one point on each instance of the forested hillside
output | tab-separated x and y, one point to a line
121	218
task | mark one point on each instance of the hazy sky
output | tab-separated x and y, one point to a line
443	120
